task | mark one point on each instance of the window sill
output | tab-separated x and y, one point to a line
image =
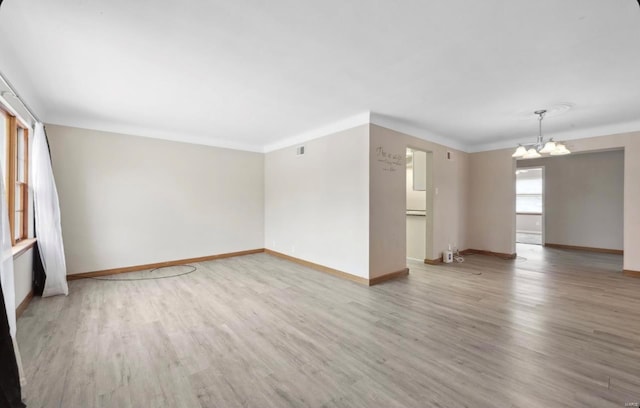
22	247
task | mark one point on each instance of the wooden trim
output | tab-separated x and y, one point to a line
489	253
25	187
633	274
136	268
23	246
436	261
23	305
4	111
389	276
12	183
11	173
528	213
589	249
7	111
318	267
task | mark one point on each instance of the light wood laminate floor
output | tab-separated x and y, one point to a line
557	329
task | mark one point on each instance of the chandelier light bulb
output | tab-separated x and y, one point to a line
560	150
549	147
532	154
520	152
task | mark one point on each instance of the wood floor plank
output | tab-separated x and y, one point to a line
552	328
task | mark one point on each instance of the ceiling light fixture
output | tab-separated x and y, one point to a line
540	147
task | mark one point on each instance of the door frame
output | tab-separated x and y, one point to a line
430	213
543	220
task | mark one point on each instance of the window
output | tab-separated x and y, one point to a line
14	153
529	191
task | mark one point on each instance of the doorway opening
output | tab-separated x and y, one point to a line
419	205
530	206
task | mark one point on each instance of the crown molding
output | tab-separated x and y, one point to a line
421	133
17	112
366	118
198	139
573	134
363	118
360	119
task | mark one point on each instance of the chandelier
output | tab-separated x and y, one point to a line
540	147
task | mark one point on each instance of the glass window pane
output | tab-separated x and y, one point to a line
529	203
20	173
18	197
18	226
3	147
529	186
20	155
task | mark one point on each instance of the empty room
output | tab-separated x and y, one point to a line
220	204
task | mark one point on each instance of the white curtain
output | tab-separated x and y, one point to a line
6	264
47	215
6	272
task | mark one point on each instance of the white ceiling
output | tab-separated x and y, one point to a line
257	75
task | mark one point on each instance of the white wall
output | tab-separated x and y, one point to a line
416	237
584	199
388	199
340	206
316	204
23	275
492	202
336	205
129	200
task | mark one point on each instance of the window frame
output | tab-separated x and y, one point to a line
540	195
13	186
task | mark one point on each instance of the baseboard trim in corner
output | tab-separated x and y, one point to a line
137	268
436	261
633	274
389	276
23	305
489	253
583	248
318	267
